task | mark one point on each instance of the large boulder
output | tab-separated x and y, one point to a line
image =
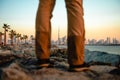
102	57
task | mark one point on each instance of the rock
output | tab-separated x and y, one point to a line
103	65
6	59
61	65
102	57
102	68
5	52
14	72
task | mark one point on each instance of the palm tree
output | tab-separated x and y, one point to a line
1	38
25	37
18	35
21	38
12	34
6	27
32	38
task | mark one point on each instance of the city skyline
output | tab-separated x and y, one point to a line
101	17
107	41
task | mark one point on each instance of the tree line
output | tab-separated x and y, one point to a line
12	34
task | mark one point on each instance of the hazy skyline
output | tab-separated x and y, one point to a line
102	17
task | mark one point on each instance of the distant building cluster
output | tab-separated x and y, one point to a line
60	41
107	41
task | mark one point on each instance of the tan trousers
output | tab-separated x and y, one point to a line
76	31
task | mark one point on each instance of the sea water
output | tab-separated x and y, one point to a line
108	49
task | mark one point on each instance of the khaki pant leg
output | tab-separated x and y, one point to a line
43	28
76	32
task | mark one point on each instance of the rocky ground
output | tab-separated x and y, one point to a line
16	63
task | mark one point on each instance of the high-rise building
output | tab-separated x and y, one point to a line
108	40
93	41
115	41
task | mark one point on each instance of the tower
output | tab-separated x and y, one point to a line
58	36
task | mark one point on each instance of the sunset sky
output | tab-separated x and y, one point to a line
102	17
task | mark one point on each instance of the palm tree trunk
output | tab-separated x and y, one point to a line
5	37
18	41
0	39
12	41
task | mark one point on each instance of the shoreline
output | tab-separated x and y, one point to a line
102	44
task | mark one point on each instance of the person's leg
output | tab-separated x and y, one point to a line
43	30
76	33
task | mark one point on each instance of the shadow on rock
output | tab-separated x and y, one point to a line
115	72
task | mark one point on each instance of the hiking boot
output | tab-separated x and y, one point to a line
79	68
44	63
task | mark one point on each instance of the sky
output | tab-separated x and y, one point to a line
102	17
